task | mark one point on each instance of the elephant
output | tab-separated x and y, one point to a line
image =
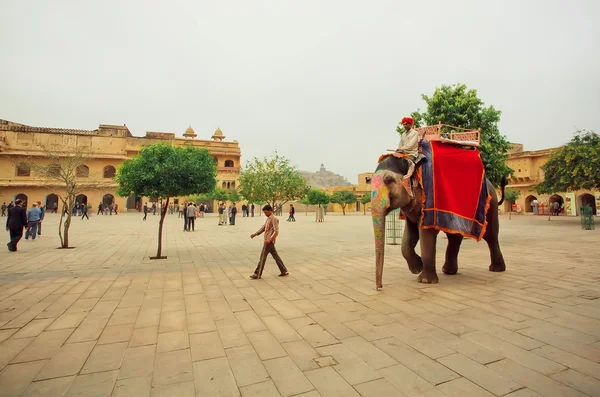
388	194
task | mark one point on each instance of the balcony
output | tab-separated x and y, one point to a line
233	170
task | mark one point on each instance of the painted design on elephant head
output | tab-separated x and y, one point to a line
379	204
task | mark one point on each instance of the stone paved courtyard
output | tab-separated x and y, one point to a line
104	320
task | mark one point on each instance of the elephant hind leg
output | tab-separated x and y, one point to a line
451	265
491	237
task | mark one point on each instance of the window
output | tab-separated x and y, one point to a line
228	163
83	171
109	171
23	170
54	170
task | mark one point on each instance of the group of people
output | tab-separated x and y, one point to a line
19	219
104	209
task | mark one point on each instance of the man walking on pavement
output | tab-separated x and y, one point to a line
33	220
233	214
84	210
145	211
4	206
15	222
271	231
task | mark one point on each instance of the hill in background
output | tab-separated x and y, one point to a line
324	179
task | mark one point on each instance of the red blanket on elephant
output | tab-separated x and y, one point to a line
455	193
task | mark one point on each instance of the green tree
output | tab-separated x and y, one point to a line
234	196
343	198
165	171
318	197
305	202
364	200
219	194
511	195
574	166
460	107
272	180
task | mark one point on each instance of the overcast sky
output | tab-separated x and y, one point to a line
319	81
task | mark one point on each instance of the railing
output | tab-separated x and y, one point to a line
445	132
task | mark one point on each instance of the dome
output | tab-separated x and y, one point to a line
218	135
189	133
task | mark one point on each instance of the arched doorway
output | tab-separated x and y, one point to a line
108	199
588	199
134	203
81	199
528	200
23	197
556	198
51	202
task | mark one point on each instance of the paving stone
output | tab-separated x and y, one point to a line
115	334
172	321
98	384
105	358
463	388
214	378
138	362
15	378
46	345
350	366
281	329
570	360
288	378
200	322
89	329
68	361
169	341
133	387
303	354
369	353
378	388
579	381
56	387
10	348
266	345
172	367
264	389
67	320
246	365
34	328
250	321
206	346
409	382
184	389
144	336
330	384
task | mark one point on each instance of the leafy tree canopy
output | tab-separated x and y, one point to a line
343	198
234	196
219	194
318	197
460	107
366	199
272	180
511	195
574	166
162	171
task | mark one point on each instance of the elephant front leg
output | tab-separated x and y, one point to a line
410	238
428	243
451	264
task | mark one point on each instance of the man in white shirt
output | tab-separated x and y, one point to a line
409	145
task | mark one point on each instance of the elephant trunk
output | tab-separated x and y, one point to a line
380	203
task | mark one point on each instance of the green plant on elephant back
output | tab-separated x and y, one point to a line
364	200
165	171
459	106
512	196
343	198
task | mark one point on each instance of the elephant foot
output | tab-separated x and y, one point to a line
415	267
497	267
428	277
379	287
450	268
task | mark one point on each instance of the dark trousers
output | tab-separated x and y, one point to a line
269	249
40	228
185	223
85	215
15	236
232	219
31	229
291	218
145	214
191	222
3	212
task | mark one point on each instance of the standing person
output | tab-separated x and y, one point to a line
116	209
185	218
15	222
4	207
153	208
292	212
252	209
271	231
85	213
145	211
229	213
244	208
191	216
43	210
100	209
221	211
33	219
233	214
202	210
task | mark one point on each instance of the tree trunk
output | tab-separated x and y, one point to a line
163	212
64	237
343	209
60	224
306	213
364	209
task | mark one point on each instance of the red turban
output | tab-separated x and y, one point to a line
408	120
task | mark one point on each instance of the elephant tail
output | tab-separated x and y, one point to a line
503	184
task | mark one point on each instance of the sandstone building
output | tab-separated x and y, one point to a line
109	146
